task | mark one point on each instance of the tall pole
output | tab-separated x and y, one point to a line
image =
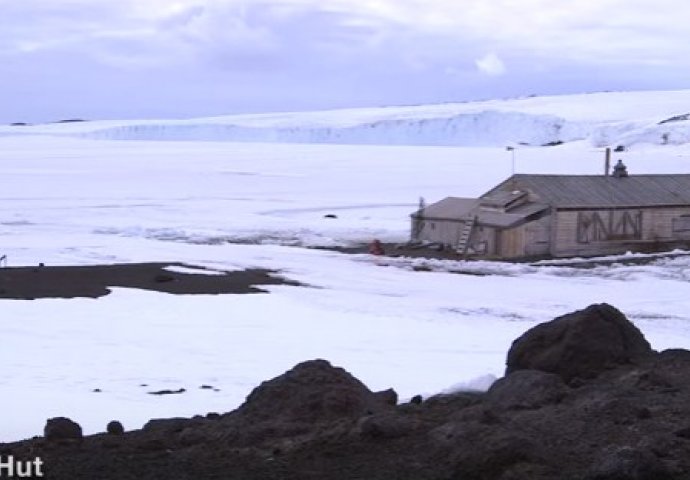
607	162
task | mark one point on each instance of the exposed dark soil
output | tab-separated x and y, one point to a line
399	250
584	397
95	280
394	250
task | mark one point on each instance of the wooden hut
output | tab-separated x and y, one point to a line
562	216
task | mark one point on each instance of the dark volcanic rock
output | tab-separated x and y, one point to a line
580	344
191	436
61	428
115	428
168	392
168	425
526	389
456	400
496	454
388	425
627	463
389	396
609	409
312	391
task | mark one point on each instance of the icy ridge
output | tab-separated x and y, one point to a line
603	119
483	129
486	128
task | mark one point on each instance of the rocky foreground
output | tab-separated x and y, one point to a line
584	397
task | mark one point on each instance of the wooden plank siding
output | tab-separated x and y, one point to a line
607	231
441	231
512	242
526	240
662	222
538	237
482	240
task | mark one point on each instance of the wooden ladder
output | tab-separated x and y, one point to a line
465	233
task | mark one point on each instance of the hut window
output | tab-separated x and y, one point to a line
681	224
433	225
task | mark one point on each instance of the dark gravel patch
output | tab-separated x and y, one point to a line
93	281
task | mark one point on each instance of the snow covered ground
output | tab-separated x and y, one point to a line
71	196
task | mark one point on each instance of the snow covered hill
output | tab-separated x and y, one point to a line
604	119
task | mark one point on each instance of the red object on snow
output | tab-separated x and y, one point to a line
375	248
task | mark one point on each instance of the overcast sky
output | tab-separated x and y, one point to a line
184	58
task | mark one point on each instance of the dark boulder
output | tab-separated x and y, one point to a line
310	392
526	389
61	428
671	367
168	392
168	425
115	428
580	344
389	396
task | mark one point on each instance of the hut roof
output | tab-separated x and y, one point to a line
456	208
450	208
509	219
582	191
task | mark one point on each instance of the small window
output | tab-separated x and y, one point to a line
433	225
681	224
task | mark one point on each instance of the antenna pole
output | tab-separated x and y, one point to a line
512	159
607	162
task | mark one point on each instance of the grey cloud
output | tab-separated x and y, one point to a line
44	23
102	59
229	36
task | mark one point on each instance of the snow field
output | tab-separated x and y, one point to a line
228	206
